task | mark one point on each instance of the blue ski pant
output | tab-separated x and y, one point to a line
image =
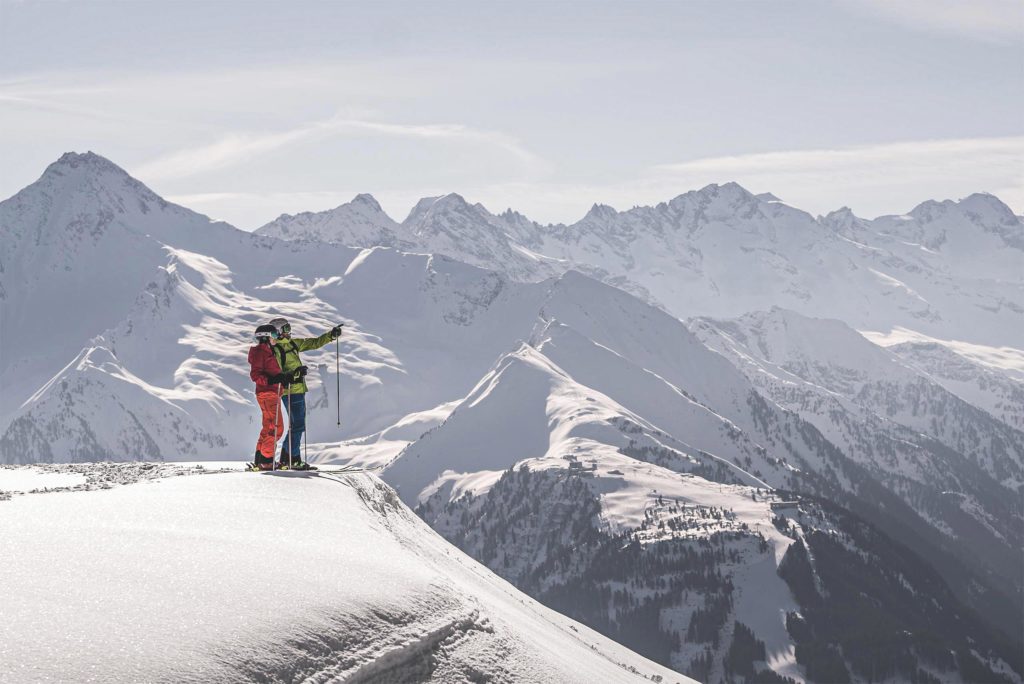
295	406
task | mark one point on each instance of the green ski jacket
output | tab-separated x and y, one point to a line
287	353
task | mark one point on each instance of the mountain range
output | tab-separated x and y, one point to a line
949	269
670	423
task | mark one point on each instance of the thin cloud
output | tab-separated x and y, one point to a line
40	104
236	148
918	154
993	20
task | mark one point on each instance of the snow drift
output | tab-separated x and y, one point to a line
232	576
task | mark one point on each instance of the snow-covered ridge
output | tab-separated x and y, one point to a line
723	251
169	579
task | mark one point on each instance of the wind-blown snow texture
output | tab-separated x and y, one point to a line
535	393
208	578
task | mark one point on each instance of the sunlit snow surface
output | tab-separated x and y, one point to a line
28	478
1006	359
232	576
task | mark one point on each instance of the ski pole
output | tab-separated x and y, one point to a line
291	425
277	417
337	374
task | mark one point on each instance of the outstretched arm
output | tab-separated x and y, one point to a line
310	343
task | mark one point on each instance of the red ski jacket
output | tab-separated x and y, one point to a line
263	366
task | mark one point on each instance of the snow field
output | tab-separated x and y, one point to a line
242	576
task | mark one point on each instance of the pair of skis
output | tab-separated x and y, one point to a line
253	468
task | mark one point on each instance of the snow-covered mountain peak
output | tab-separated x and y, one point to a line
730	192
89	160
451	226
82	196
362	203
367	200
716	202
84	209
846	224
841	220
358	223
983	206
971	227
449	215
600	213
94	177
511	214
991	213
433	206
419	209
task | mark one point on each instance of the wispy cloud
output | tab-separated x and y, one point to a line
236	148
32	101
996	20
922	156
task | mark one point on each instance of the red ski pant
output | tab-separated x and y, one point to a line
273	422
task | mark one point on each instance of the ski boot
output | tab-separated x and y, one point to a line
261	462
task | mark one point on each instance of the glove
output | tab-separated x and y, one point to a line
279	379
300	372
336	331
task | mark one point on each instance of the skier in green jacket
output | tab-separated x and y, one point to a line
293	392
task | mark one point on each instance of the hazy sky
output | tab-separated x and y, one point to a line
246	110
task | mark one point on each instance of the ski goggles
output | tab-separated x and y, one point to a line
285	329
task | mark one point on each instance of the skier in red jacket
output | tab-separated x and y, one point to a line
266	373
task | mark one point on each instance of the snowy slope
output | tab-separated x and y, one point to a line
551	498
1000	394
184	342
592	343
712	580
74	256
87	249
822	367
174	319
176	362
959	466
183	590
529	413
610	413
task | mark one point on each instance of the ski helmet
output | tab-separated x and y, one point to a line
265	332
282	326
